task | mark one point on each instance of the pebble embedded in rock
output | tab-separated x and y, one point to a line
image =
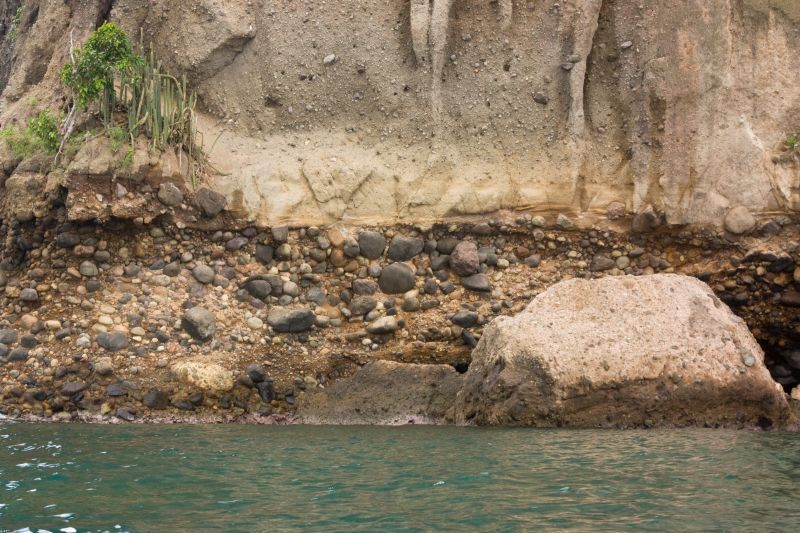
280	233
362	305
210	202
290	320
8	336
383	326
199	323
397	278
258	288
18	354
465	319
739	220
477	282
371	244
28	295
203	273
103	366
112	341
464	260
403	248
602	262
155	399
170	195
264	253
88	269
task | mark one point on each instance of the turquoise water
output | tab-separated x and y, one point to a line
269	478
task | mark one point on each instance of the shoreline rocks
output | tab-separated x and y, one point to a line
651	351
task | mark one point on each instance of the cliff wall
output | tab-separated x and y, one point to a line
398	110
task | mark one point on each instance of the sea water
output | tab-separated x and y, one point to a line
74	477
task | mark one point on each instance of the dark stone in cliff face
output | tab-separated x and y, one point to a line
465	319
115	390
256	373
8	336
464	260
403	248
365	287
264	253
71	389
210	202
156	399
280	233
371	243
112	341
478	283
291	321
67	239
601	262
170	195
29	295
646	221
266	391
363	305
397	278
199	323
258	288
18	354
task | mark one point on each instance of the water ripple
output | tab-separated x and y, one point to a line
151	478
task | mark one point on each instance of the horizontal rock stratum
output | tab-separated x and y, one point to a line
621	352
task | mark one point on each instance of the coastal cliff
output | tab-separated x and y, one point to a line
378	181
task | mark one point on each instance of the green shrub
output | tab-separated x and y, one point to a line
108	72
39	136
792	142
107	55
117	136
16	20
44	126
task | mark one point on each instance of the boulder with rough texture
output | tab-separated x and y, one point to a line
211	203
204	376
464	260
621	352
739	220
397	278
291	320
385	392
371	244
199	323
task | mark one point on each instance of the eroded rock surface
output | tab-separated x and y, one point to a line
385	392
621	352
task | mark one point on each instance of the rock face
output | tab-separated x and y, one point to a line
385	392
620	352
651	70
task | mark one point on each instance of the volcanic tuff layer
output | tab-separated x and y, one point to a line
373	110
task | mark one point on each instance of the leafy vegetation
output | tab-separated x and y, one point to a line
39	136
108	72
16	20
107	56
792	142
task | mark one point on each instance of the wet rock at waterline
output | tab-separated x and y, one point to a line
673	354
385	392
